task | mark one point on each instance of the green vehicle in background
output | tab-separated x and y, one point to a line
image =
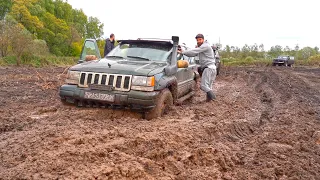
138	74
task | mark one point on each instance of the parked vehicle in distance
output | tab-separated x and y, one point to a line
283	60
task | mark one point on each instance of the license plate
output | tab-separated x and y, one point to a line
101	87
99	96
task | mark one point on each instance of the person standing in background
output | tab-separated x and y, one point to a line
109	44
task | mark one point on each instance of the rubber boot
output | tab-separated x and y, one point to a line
210	96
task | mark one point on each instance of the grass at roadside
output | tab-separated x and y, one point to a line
249	61
309	62
313	61
39	61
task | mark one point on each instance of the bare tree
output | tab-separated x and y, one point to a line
261	48
4	38
21	42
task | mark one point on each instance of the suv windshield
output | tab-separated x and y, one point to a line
283	57
142	51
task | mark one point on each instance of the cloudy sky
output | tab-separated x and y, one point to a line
235	22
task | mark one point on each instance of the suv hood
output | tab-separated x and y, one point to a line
123	66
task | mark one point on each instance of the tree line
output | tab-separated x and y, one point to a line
44	26
258	52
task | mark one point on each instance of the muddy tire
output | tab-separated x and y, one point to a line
195	86
65	103
194	89
163	103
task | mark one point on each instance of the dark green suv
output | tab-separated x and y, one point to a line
138	74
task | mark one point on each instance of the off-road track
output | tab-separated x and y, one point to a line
265	124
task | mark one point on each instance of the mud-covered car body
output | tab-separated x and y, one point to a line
217	58
132	75
283	60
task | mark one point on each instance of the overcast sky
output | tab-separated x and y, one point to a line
236	22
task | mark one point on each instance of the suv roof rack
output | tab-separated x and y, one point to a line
155	39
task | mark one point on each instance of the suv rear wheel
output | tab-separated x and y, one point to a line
163	102
194	89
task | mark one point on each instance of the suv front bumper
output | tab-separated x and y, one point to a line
278	61
132	99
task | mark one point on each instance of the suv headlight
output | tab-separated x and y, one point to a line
143	83
73	77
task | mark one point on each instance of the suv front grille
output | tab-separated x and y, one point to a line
118	81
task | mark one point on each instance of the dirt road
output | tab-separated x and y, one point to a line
264	125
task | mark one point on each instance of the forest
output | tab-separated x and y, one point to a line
43	28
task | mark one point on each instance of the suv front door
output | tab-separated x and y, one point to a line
185	76
90	51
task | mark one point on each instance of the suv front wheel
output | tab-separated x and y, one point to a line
163	102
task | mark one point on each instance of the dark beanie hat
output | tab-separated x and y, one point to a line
199	36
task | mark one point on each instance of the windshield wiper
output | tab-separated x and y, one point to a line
114	57
137	57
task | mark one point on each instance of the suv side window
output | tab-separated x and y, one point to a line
179	57
189	59
192	60
185	57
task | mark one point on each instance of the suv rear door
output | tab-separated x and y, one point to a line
291	60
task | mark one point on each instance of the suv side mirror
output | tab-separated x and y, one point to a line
182	64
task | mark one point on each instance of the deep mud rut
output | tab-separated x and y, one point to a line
265	124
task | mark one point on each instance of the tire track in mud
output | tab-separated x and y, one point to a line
257	92
265	96
280	142
260	82
273	90
304	87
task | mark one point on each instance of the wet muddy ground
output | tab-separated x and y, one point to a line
265	124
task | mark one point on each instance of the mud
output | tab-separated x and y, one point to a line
265	124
